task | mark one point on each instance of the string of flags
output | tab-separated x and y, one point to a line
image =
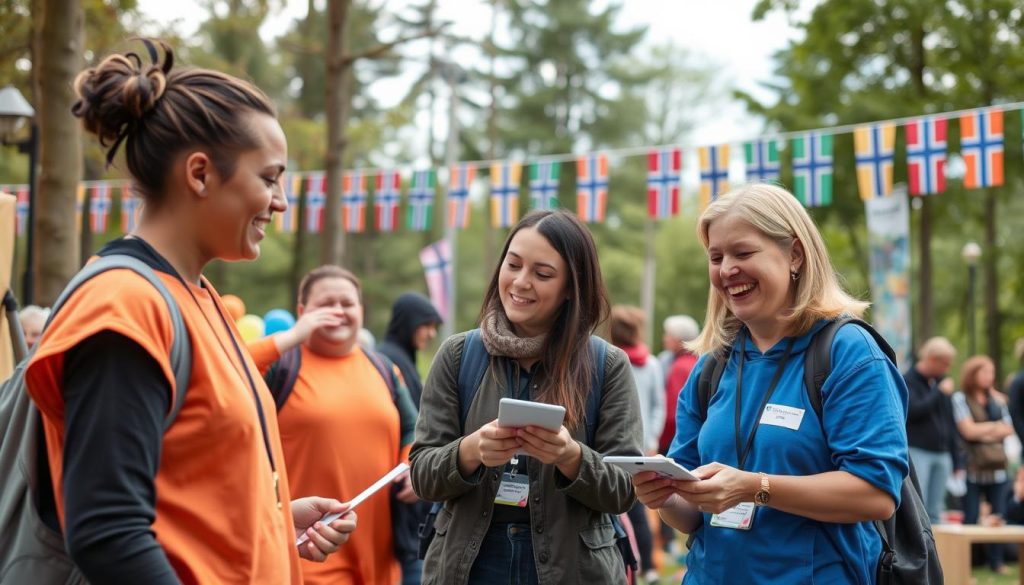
811	160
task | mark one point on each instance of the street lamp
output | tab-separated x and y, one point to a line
14	112
971	253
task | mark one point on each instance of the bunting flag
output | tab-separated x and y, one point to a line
130	208
664	170
592	187
812	169
458	195
437	267
981	144
353	201
763	165
505	193
99	207
386	197
316	198
874	147
714	172
544	185
287	222
21	210
421	200
926	155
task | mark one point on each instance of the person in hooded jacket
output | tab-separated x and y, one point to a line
413	325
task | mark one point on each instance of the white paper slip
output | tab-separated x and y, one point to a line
362	497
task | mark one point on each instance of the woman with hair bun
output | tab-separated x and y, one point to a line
206	500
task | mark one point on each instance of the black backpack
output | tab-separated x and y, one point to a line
472	367
908	547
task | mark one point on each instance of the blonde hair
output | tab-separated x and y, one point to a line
777	215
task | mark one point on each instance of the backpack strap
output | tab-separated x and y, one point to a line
383	366
707	383
181	346
282	375
598	353
472	368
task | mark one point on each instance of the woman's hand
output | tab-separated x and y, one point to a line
490	446
324	539
720	487
655	491
405	493
549	447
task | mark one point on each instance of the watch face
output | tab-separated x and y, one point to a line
761	498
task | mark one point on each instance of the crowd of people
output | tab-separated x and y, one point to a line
275	434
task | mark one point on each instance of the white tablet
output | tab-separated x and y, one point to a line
515	414
663	466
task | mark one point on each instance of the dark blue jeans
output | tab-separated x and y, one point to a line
506	557
995	495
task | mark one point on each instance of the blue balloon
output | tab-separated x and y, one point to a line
277	320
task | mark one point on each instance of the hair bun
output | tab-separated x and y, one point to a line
120	91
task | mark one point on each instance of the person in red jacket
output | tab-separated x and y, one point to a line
679	329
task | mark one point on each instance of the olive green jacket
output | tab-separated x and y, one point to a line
573	540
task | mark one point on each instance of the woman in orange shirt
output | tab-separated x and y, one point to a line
204	501
342	428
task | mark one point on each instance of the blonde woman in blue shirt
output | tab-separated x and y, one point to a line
817	486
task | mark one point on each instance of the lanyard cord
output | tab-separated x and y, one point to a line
742	452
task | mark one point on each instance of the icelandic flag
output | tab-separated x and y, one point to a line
386	196
458	195
544	185
353	201
131	206
981	145
874	147
664	171
437	267
926	155
99	207
591	187
287	222
316	198
505	193
714	173
421	200
762	157
812	169
21	209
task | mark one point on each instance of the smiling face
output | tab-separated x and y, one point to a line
752	273
423	335
236	211
341	295
532	283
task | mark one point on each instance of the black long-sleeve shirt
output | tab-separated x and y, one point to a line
930	423
1016	406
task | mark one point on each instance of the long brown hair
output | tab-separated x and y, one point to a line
969	375
566	354
157	113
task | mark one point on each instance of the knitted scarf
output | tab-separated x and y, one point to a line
499	339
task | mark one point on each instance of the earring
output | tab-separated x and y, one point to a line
794	275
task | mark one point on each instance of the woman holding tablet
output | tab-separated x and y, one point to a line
783	497
542	516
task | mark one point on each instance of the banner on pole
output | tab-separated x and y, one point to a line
888	221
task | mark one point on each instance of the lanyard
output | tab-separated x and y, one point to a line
241	360
743	451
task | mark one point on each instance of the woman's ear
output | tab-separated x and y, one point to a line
198	168
796	257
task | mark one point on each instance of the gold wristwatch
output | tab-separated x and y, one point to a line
764	493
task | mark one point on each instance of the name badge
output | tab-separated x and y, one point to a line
779	415
514	490
739	517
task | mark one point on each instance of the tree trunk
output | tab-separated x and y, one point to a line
338	95
299	252
924	286
992	320
59	60
85	229
492	141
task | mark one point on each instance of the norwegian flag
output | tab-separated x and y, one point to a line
353	201
926	155
21	209
437	267
316	198
130	208
981	144
591	187
505	193
386	196
288	221
99	207
664	170
458	195
421	200
714	172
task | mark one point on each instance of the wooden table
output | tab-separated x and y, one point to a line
953	542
